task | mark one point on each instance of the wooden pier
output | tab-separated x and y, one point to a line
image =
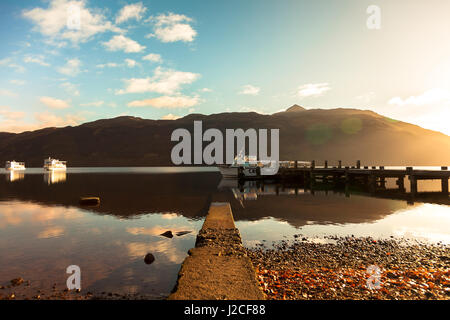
373	176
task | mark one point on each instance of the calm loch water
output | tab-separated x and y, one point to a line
43	229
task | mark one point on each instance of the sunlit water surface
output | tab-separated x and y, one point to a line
43	229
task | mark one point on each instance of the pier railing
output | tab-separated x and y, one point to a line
372	175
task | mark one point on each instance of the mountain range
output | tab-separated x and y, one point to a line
305	134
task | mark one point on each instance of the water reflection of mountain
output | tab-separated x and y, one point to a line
123	195
299	207
189	194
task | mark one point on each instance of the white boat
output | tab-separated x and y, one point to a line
14	165
247	166
51	164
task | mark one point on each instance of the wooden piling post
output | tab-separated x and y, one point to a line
372	182
340	164
358	164
444	184
401	183
383	182
347	190
413	180
326	164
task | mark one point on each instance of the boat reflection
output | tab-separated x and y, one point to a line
52	177
251	190
13	175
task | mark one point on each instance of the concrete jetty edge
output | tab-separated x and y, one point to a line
218	267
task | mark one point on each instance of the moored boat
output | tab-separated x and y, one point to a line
247	166
14	165
51	164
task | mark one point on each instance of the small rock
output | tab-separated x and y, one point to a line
167	234
429	294
17	282
182	233
391	275
149	258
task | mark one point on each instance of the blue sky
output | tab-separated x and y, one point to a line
166	59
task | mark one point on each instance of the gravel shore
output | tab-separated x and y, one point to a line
303	269
353	268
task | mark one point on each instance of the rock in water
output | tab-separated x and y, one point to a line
149	258
182	233
89	201
17	281
167	234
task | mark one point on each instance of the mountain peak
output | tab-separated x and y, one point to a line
295	108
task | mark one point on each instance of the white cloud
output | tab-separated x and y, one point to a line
153	57
9	63
7	114
47	119
173	27
170	117
432	96
250	90
93	104
206	90
131	11
54	103
36	59
53	21
7	93
17	82
120	42
163	81
109	65
312	89
130	63
166	102
11	121
72	67
70	88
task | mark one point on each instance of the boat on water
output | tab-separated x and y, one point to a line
247	166
14	165
250	167
51	164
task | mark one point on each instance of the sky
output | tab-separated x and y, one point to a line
66	62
